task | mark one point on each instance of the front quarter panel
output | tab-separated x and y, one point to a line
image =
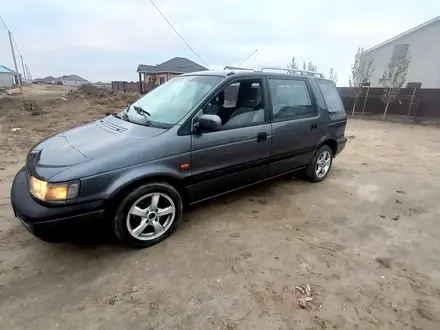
163	168
106	185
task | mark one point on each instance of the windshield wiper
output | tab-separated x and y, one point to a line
143	113
125	113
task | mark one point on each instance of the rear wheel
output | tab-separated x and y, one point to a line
320	164
148	214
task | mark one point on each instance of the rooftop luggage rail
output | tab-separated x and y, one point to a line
294	71
228	67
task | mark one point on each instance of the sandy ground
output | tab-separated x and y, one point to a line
366	241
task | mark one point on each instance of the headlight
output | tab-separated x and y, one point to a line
53	191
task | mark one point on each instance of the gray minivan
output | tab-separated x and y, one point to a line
195	137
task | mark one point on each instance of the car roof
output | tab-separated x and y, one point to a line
250	73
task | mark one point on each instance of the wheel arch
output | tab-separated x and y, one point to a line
331	142
122	186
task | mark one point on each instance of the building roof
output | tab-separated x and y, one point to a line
4	69
176	64
418	27
72	77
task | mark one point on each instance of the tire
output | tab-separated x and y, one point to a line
311	171
138	209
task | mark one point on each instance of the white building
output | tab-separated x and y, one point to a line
422	43
7	77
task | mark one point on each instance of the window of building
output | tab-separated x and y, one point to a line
383	81
290	99
400	52
161	80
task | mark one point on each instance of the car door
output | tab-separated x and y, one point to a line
237	155
296	127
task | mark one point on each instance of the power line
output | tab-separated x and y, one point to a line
13	40
12	43
256	50
171	25
4	23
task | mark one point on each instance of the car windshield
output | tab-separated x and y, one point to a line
167	104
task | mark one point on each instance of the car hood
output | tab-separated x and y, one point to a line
96	140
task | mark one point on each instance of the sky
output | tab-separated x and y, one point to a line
106	39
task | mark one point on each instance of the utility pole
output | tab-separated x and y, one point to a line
24	71
17	74
28	73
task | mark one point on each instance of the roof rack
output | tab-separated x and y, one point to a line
228	67
294	71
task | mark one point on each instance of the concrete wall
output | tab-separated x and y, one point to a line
424	49
6	79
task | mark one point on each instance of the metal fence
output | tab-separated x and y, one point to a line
132	86
413	103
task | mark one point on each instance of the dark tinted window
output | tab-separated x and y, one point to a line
331	96
290	99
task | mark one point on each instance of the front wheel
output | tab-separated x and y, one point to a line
320	164
148	214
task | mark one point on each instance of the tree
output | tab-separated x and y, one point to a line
393	79
333	76
361	71
311	67
292	64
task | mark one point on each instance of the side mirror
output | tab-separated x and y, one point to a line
210	123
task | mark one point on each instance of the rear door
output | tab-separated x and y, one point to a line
239	154
296	127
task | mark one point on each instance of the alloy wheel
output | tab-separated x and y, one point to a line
151	216
323	164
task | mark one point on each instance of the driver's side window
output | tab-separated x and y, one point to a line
239	104
290	99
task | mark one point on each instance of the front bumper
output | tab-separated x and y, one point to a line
51	221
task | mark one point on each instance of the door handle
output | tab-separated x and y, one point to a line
261	137
313	127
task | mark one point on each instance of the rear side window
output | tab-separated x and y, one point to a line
331	96
290	99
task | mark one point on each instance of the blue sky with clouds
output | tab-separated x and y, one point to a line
107	39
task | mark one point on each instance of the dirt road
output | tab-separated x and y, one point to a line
367	241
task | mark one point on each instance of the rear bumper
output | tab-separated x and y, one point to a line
50	221
341	145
